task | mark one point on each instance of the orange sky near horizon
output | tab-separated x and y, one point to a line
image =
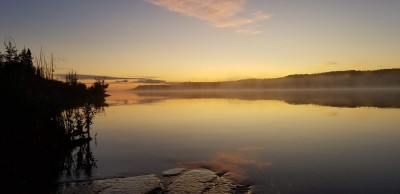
185	40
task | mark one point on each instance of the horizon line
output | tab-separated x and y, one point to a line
153	78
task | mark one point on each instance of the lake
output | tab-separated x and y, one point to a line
280	141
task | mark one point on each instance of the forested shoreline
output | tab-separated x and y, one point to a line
43	121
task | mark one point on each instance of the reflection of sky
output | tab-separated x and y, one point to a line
149	138
350	98
232	161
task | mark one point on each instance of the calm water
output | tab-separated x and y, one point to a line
306	142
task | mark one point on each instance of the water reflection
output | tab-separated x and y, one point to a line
381	98
231	161
41	148
294	149
79	161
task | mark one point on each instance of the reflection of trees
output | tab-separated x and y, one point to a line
77	124
79	160
382	98
40	148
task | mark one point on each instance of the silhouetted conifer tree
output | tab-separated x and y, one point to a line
11	52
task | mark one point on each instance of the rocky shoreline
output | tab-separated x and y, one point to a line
173	181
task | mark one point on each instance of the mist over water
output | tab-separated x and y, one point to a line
339	97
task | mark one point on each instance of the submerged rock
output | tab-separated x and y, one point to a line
137	184
173	172
200	181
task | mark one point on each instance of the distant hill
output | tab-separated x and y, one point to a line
384	78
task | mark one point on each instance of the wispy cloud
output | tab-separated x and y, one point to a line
218	13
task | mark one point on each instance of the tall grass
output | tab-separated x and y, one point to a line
44	68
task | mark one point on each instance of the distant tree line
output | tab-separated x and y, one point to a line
384	78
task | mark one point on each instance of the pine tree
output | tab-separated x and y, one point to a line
11	53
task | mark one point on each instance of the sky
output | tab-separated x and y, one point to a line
207	40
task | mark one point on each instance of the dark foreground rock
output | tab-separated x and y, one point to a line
174	181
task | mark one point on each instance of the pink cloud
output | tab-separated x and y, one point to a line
218	13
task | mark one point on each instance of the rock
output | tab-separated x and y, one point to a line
222	185
173	172
137	184
250	190
193	181
200	181
236	178
80	187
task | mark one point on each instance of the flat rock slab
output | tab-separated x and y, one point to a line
200	181
173	172
137	184
179	181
